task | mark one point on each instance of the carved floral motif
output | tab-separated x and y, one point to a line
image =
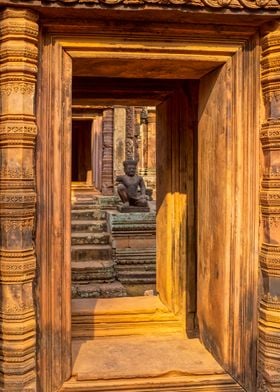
21	225
235	4
21	88
17	172
6	198
18	129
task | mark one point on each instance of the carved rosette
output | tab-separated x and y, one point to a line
18	70
269	323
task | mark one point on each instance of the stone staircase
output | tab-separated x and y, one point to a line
93	269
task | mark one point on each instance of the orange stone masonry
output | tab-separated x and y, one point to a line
218	231
18	70
269	323
107	163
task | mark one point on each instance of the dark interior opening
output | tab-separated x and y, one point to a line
81	149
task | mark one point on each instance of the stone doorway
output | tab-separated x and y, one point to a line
219	269
81	151
113	253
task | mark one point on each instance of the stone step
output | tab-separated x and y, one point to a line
88	226
88	214
103	202
136	277
95	290
93	271
137	267
134	256
91	252
90	238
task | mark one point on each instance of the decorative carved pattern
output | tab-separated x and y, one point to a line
269	323
129	140
270	137
18	129
235	4
107	154
22	88
18	69
16	172
271	301
15	200
262	386
21	225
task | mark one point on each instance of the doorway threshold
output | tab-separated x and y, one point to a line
125	316
146	363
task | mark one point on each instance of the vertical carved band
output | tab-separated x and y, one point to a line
18	70
129	139
107	158
269	325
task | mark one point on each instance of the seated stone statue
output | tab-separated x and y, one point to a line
131	187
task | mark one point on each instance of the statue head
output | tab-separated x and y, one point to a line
130	166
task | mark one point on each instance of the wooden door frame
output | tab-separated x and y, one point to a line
207	50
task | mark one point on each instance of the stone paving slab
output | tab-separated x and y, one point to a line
138	357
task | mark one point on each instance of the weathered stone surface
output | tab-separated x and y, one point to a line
137	275
122	317
97	226
119	139
95	290
90	252
90	238
86	213
134	357
132	209
88	200
93	271
214	4
134	256
55	264
131	224
107	157
147	166
269	321
134	249
18	130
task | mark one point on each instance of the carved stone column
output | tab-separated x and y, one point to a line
137	135
143	140
147	150
97	150
129	140
119	139
18	69
151	151
107	158
269	323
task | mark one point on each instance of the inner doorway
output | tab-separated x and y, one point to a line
81	151
108	262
